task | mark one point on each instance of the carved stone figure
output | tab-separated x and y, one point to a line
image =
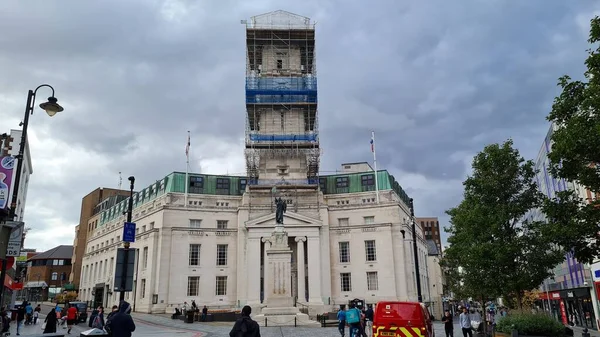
281	208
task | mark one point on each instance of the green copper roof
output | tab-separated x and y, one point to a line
236	185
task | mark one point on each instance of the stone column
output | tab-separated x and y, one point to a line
253	263
267	242
301	277
314	270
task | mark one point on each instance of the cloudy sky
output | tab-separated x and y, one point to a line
436	80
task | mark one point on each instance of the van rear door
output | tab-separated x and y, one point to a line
403	319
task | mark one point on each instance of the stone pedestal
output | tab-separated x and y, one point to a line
280	310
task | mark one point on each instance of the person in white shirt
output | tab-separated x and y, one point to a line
465	323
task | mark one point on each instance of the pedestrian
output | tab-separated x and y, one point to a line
99	320
28	314
465	323
71	317
369	314
36	313
204	313
448	324
5	323
92	317
245	326
341	316
20	317
50	322
353	319
120	324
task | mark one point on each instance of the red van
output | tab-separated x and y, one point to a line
404	319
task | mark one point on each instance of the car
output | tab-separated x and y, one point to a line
81	310
402	319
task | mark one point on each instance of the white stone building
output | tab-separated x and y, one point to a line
212	248
9	146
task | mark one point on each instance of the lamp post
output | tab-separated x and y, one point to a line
52	108
416	251
126	244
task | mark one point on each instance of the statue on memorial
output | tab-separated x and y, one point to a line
281	208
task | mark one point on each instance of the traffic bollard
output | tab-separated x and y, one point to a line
585	333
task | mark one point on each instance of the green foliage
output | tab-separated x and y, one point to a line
530	324
492	251
575	156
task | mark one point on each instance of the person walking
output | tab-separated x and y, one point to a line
50	322
28	314
448	324
121	324
369	315
353	320
465	323
71	318
204	313
36	313
245	326
99	320
341	316
20	317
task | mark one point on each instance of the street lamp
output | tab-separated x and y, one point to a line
52	108
126	244
416	251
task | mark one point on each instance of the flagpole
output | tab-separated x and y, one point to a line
375	164
187	166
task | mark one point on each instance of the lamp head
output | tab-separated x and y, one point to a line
51	107
132	179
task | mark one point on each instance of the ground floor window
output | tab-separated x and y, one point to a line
221	287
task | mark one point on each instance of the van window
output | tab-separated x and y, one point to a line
399	311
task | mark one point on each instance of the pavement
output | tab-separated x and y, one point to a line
163	325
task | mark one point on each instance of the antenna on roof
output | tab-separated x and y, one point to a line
120	180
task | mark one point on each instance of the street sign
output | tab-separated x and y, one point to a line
129	232
16	237
119	269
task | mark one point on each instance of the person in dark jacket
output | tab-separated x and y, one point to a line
20	317
245	326
121	324
92	317
51	322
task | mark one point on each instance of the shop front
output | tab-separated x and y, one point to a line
578	307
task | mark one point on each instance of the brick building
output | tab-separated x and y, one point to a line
91	204
431	230
48	272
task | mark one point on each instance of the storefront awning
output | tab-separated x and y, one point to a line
36	284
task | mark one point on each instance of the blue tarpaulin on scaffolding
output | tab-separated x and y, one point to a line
284	138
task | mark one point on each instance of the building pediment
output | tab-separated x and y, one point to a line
290	219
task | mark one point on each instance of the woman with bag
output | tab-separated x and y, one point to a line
50	322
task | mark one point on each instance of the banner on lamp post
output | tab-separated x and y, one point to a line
7	164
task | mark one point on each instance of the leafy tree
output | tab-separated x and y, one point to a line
575	156
497	250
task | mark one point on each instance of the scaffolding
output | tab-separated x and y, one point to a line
281	92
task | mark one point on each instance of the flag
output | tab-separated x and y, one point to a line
372	144
187	146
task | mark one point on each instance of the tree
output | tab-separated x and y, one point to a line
575	156
497	250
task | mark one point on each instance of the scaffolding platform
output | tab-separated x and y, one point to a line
284	138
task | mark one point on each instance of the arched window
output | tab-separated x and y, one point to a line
54	276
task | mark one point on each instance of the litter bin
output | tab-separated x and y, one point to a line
189	316
93	332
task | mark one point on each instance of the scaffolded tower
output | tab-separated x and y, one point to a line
282	143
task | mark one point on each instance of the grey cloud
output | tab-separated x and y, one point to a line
434	79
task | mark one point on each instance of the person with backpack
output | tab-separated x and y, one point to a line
353	320
120	324
341	316
99	320
245	326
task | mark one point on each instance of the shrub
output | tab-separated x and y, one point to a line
531	325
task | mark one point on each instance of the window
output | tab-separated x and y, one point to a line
346	282
222	224
222	186
367	180
195	223
54	276
143	228
343	222
341	182
344	252
372	283
243	183
370	251
143	289
279	64
369	220
221	288
194	255
112	263
323	185
221	255
145	258
193	287
196	184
